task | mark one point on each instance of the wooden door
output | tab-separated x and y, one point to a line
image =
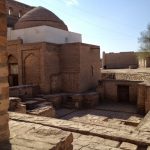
123	93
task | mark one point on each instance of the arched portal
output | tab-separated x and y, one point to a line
13	70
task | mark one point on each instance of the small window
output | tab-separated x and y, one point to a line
92	71
10	11
20	14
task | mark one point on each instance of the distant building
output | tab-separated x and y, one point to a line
120	60
144	59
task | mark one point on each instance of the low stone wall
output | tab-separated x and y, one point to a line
127	76
23	91
73	100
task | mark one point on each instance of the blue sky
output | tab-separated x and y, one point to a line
115	25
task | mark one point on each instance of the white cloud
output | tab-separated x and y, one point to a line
71	2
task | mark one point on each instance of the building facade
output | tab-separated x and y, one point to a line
120	60
42	52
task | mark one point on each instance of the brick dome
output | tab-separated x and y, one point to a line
40	16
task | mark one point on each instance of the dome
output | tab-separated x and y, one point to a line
40	16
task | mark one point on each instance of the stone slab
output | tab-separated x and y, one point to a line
122	135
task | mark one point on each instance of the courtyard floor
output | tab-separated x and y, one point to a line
106	127
105	113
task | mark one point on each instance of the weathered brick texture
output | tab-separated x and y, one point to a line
4	129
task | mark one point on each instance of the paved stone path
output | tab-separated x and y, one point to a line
32	136
127	137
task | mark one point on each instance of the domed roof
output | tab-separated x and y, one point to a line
40	16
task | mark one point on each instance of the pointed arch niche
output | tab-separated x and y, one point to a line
31	69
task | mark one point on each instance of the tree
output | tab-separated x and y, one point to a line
144	41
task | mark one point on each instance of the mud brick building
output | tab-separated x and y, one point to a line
41	51
124	60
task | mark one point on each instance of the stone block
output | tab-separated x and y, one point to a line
16	105
128	146
91	100
21	108
77	99
56	99
13	102
47	111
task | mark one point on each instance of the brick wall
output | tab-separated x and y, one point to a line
144	97
110	90
16	9
89	66
51	68
120	60
4	129
70	67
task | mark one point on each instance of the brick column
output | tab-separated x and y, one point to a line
141	98
147	101
4	88
103	60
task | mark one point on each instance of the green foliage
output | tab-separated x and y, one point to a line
144	41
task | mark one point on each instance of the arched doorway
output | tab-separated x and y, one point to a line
13	71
